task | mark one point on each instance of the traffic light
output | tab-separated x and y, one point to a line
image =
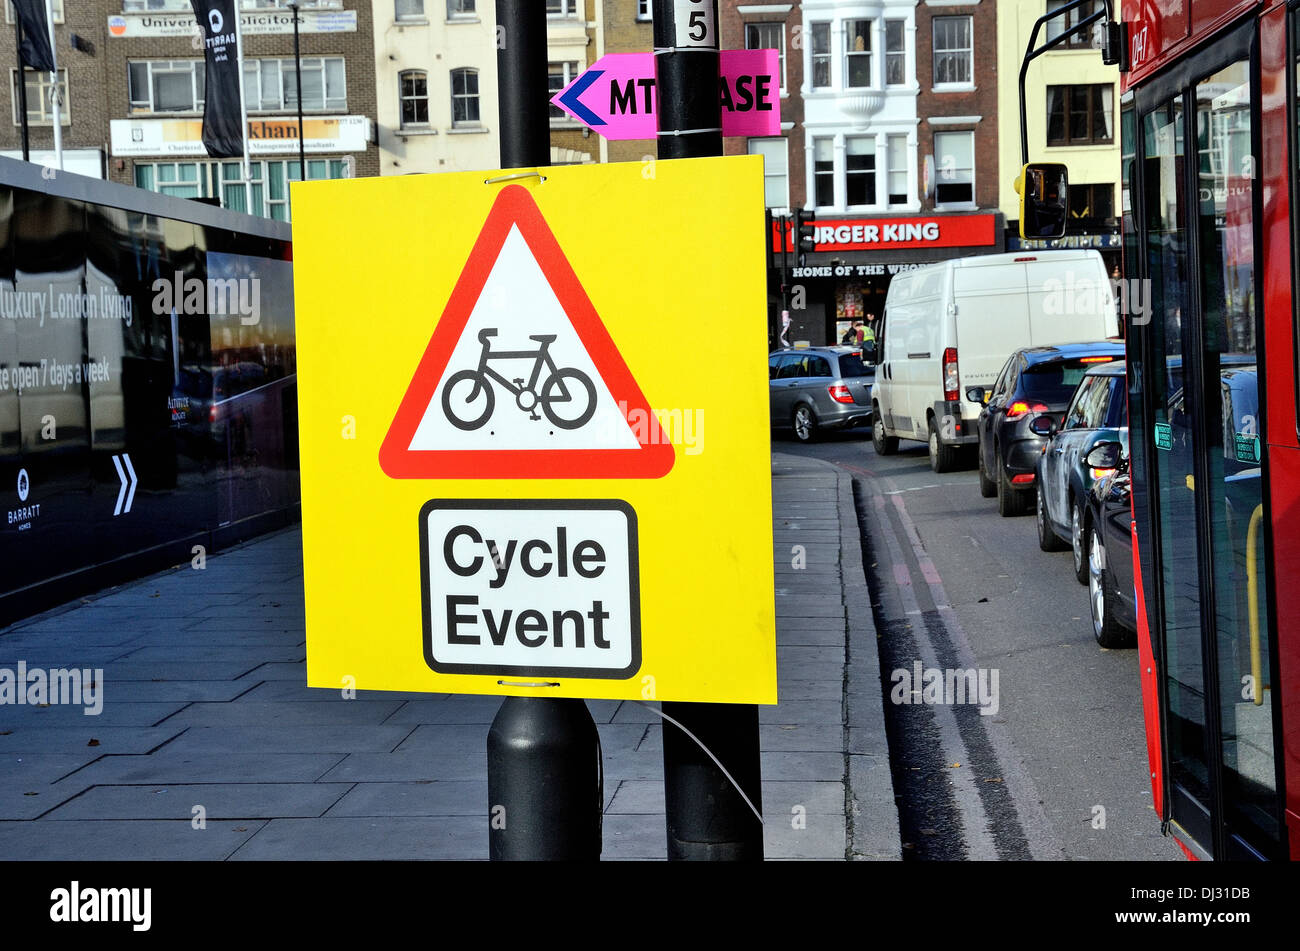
804	233
1044	190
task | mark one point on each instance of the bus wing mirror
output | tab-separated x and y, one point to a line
1044	199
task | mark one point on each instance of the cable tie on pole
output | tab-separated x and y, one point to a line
731	779
513	176
686	49
687	131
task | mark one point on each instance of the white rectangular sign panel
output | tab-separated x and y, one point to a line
531	587
251	23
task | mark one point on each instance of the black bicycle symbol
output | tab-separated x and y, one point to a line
468	399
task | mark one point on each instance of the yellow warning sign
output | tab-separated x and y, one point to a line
534	432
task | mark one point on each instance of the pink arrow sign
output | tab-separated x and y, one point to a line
615	96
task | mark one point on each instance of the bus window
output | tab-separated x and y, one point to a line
1226	221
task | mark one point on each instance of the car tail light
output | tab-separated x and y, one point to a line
840	393
1022	479
951	385
1098	359
212	413
1019	409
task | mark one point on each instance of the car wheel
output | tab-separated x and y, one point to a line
1047	537
805	424
1010	499
988	488
884	445
942	458
1101	597
1079	542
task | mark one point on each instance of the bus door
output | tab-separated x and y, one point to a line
1204	450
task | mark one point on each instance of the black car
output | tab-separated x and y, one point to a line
819	388
1112	594
1096	413
1033	382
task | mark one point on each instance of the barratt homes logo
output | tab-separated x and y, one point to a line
215	38
213	297
24	514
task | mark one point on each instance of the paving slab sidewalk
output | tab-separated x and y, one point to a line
206	716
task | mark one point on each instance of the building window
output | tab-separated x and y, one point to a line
414	93
269	181
860	170
559	75
1080	115
464	97
281	4
1092	201
178	179
1087	39
776	170
165	86
952	51
461	10
55	5
152	6
270	85
823	172
898	163
895	53
768	36
821	55
643	9
954	160
155	6
412	9
40	98
561	8
857	53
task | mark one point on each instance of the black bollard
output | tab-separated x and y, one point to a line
545	781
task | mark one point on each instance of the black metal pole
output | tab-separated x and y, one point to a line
524	109
545	781
297	72
706	818
773	318
22	81
787	229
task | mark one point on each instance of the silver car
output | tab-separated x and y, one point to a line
819	388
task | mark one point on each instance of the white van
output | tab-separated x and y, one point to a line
952	325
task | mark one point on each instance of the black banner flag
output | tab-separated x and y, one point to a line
35	51
223	120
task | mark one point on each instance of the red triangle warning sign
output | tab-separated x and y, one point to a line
521	380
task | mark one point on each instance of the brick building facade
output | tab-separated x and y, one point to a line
137	97
571	28
957	102
85	118
773	26
625	27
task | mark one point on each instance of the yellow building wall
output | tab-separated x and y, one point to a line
1092	164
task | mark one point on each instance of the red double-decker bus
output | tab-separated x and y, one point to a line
1210	173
